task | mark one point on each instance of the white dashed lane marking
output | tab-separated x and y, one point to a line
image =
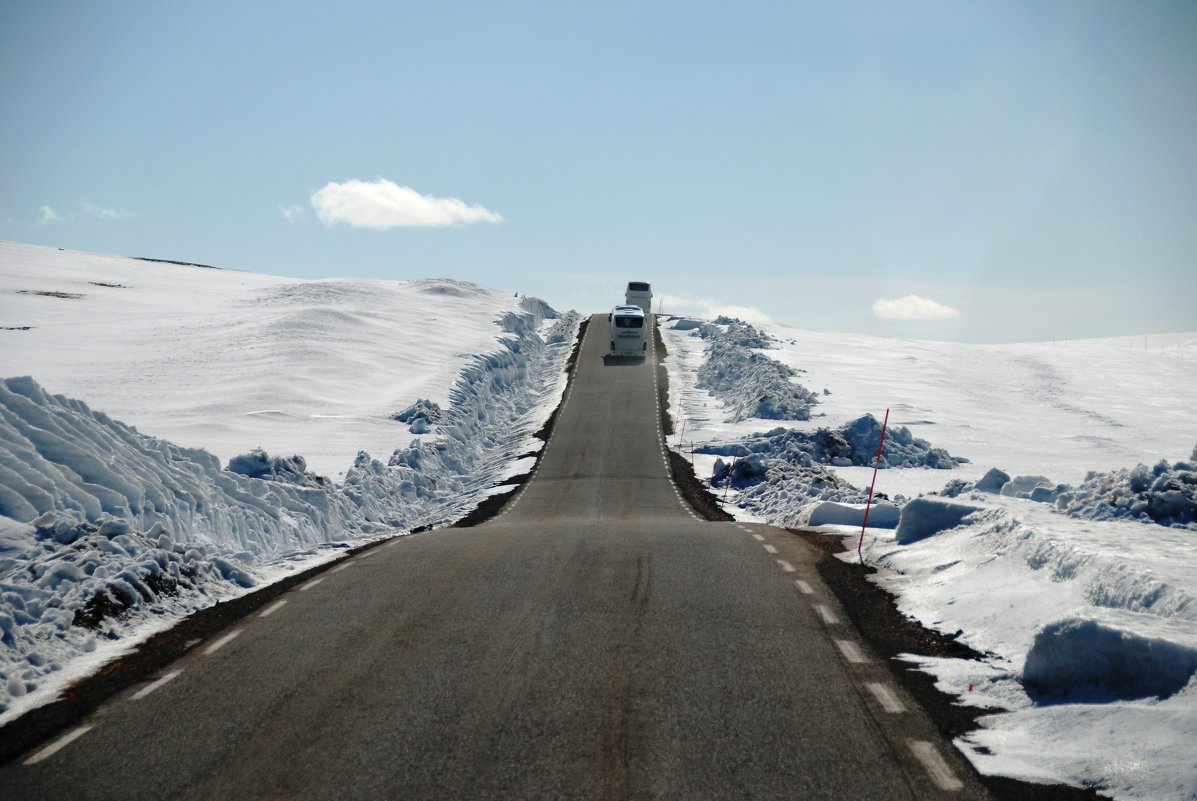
851	652
770	548
803	587
274	607
826	614
786	566
222	642
149	688
757	537
886	697
56	746
941	775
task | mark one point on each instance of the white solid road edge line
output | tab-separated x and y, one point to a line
941	775
56	746
311	584
222	642
886	697
149	688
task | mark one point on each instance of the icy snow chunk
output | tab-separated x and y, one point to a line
993	481
1081	660
1023	486
923	517
259	464
423	409
830	513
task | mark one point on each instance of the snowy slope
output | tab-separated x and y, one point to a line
229	360
108	532
1086	608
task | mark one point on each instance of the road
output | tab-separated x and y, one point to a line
595	641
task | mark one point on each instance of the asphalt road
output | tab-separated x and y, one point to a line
594	641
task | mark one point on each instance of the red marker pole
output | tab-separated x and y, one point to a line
869	504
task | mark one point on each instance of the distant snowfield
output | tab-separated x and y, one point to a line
172	435
229	361
1089	626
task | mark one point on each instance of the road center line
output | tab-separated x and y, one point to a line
770	548
851	652
311	584
828	616
56	746
274	607
886	697
149	688
786	566
222	642
803	587
757	537
941	775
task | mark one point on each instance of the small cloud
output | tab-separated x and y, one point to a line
48	216
912	307
381	204
293	214
101	213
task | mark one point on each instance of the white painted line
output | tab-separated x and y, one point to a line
756	537
828	616
222	642
341	567
770	548
59	744
311	584
805	588
367	554
149	688
941	775
851	652
274	607
786	566
886	697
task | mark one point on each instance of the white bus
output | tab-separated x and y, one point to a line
640	293
628	331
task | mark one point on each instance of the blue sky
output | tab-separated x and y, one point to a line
1027	171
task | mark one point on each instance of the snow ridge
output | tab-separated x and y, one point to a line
749	383
126	529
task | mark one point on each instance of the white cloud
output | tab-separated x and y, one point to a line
912	307
381	204
48	216
293	214
101	213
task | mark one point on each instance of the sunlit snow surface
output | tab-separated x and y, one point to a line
127	386
1105	611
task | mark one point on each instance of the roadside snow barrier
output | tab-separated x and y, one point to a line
1080	660
830	513
923	517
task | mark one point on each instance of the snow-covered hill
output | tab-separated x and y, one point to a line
1065	548
171	435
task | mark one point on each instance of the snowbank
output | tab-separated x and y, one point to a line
1087	617
829	513
106	530
750	383
925	517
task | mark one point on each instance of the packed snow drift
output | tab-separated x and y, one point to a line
1046	514
108	533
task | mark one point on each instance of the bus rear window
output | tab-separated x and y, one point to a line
637	286
629	322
